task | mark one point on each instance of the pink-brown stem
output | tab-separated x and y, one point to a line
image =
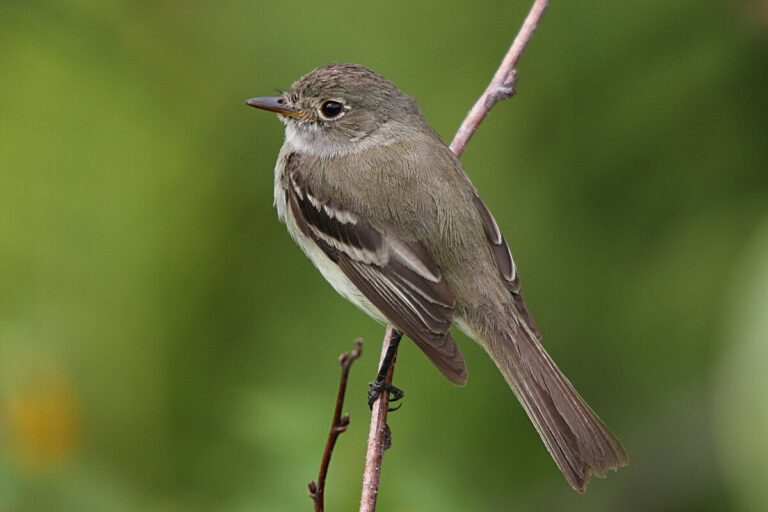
502	85
378	435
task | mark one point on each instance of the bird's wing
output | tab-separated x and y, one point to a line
504	263
398	277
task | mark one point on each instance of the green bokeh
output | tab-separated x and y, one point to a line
164	346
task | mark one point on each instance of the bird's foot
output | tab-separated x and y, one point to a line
377	387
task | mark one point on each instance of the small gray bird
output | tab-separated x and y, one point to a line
386	212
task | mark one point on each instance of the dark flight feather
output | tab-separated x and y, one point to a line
398	277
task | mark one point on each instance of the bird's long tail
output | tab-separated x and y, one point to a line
576	438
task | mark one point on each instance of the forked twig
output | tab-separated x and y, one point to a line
338	426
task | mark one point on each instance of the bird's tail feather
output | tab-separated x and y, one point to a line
576	438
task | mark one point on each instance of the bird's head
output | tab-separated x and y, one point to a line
342	108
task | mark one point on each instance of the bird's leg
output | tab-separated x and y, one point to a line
378	386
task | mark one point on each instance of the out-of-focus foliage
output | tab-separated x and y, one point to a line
165	347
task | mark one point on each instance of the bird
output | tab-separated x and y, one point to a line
387	214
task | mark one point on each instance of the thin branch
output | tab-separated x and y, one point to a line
501	87
503	83
338	425
379	435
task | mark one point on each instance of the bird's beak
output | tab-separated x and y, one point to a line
273	104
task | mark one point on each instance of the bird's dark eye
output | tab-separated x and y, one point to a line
331	109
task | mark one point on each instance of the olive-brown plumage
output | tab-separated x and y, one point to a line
387	214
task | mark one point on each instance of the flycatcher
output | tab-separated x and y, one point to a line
386	212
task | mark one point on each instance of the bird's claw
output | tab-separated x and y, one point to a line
377	387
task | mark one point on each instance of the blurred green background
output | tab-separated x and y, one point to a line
165	347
